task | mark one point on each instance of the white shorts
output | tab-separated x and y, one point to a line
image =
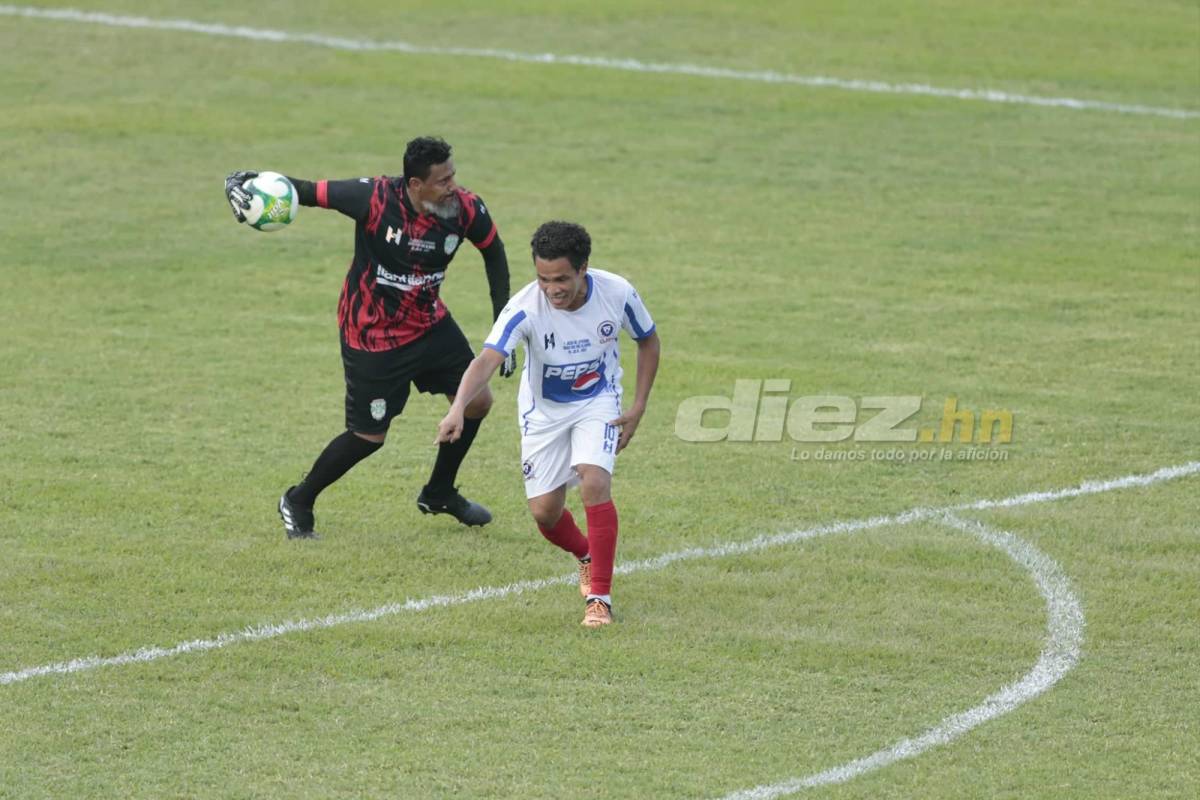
548	458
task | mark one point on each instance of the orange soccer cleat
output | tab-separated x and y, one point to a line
585	576
598	613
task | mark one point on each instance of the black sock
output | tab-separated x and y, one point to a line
450	457
335	461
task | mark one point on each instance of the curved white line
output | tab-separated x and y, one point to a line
601	62
269	631
1060	653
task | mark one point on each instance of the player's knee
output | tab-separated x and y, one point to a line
546	514
480	406
374	438
595	486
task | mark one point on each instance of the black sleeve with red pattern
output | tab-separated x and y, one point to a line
351	197
495	263
482	230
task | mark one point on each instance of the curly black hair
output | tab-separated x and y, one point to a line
556	239
422	153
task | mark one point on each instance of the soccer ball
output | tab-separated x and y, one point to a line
273	201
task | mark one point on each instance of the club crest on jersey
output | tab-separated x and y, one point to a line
378	409
451	244
607	331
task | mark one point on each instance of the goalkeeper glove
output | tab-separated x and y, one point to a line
510	364
239	198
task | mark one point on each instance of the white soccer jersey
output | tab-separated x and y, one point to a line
571	357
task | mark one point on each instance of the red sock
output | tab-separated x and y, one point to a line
566	534
602	543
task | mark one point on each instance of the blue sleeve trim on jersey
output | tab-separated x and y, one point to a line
502	344
499	350
638	333
653	328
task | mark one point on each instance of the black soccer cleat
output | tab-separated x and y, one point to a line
297	522
455	505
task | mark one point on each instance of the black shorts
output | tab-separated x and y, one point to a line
377	383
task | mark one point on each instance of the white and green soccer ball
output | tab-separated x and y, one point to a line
273	201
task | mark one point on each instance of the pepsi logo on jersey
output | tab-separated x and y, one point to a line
570	382
586	381
568	372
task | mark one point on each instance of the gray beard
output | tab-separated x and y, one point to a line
446	210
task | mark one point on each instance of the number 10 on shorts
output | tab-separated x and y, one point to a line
610	438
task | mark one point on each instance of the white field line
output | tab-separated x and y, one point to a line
1060	653
600	62
270	631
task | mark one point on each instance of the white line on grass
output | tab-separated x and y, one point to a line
601	62
1064	635
270	631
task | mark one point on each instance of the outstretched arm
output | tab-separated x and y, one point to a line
351	197
647	367
472	383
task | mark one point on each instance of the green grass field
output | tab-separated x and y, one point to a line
165	373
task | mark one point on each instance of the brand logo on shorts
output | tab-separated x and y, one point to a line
378	409
527	469
451	244
607	331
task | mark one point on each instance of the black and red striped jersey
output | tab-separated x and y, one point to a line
390	296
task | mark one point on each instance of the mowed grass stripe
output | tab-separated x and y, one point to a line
600	62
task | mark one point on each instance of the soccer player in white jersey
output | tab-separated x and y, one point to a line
569	406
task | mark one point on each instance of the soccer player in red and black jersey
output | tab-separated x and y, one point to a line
395	329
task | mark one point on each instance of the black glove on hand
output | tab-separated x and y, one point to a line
239	198
510	364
